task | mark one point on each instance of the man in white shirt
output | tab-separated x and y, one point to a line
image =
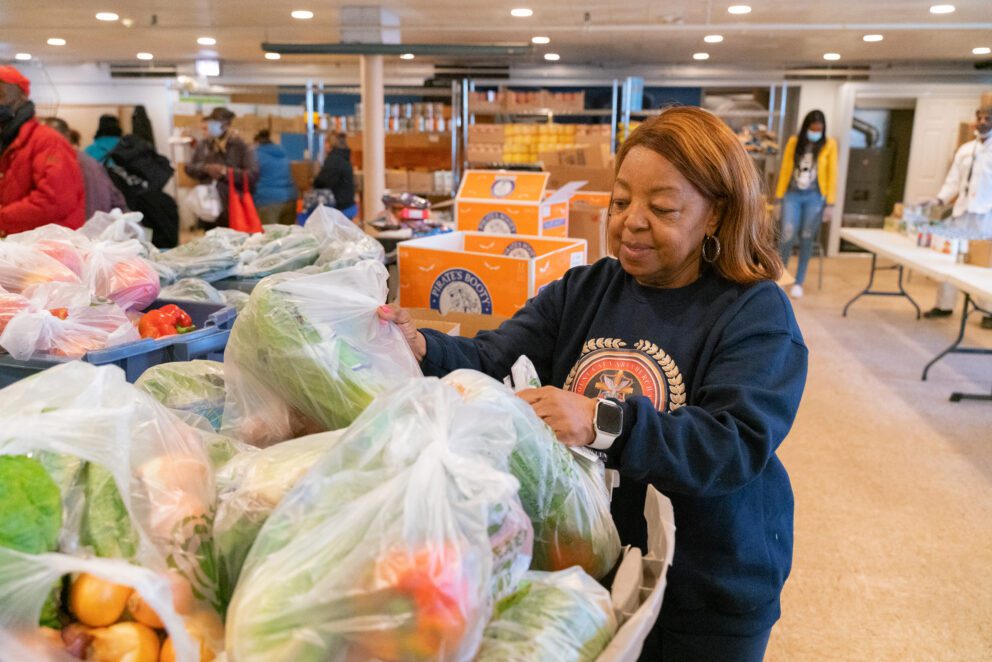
969	183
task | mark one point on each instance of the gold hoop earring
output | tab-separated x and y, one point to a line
711	244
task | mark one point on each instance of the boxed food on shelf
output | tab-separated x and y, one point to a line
249	125
397	180
302	172
511	202
484	153
592	164
420	182
486	133
476	272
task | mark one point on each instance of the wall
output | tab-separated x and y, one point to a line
821	95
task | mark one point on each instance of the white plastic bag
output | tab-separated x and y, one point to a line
191	289
315	344
204	201
115	270
116	225
57	242
342	243
23	265
396	543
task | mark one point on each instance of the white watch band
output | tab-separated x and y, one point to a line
603	440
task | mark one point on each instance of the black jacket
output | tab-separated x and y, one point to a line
337	175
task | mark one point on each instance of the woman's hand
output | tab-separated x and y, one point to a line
401	318
570	415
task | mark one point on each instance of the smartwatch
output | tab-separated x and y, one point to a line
608	424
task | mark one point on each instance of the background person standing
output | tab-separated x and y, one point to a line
338	176
275	193
101	194
222	149
108	134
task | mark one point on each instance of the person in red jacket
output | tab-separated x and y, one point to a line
40	180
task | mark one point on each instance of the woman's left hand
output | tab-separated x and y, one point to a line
570	415
828	213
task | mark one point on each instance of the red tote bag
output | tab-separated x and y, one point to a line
241	213
248	203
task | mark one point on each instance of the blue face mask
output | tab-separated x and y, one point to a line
814	136
214	128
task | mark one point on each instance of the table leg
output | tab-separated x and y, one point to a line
955	348
871	281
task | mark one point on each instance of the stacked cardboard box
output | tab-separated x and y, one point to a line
523	143
591	164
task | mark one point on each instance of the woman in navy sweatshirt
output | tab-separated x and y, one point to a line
683	361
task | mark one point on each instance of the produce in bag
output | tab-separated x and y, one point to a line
116	271
563	616
23	265
191	289
234	298
342	243
564	493
10	305
316	344
156	505
58	242
396	543
294	251
211	257
116	225
188	386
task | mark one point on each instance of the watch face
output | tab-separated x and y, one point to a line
609	417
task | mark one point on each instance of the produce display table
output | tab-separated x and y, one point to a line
975	282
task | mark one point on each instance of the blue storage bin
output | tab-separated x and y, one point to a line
245	285
213	327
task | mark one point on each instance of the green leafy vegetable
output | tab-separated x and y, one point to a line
30	506
106	524
189	386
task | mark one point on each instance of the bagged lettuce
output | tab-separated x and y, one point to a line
395	545
315	344
195	387
563	616
342	243
211	257
234	298
191	289
289	253
564	493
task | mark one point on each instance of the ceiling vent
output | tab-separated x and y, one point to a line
141	71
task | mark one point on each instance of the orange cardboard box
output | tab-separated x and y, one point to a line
509	202
479	272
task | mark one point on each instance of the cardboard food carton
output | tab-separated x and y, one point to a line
397	180
589	222
591	163
302	173
511	202
420	182
486	134
467	325
478	272
979	252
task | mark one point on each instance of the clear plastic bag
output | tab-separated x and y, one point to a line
116	225
147	478
212	257
11	304
342	243
191	289
196	387
563	616
57	242
115	270
563	493
204	201
316	344
23	265
395	545
26	581
234	298
288	253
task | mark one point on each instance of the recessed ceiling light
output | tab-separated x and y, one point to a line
713	38
206	41
272	56
22	56
540	40
739	9
56	41
107	16
302	14
521	12
700	56
127	22
407	56
145	56
831	56
942	9
552	57
981	50
873	37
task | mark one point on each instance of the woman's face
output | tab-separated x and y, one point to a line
658	221
816	126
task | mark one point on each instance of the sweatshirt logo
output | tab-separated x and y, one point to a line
498	222
608	368
460	291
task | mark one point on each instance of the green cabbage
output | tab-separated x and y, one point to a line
30	506
189	386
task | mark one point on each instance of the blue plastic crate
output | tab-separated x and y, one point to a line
245	285
213	322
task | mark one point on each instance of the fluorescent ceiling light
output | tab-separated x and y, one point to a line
145	56
208	68
873	37
713	38
552	57
56	41
302	14
540	40
107	16
739	9
407	56
22	56
521	12
206	41
831	56
272	56
942	9
700	56
981	50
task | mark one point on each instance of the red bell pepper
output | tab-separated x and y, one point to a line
165	321
61	313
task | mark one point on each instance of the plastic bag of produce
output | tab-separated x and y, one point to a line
342	243
564	493
316	344
211	257
234	298
188	386
115	611
291	252
145	490
563	616
191	289
396	543
23	265
116	225
116	271
10	305
57	242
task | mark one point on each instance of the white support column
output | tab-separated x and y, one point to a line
373	136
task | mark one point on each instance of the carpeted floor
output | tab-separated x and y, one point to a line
893	483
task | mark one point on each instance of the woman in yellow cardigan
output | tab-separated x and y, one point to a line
806	188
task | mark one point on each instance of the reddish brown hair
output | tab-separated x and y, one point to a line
708	154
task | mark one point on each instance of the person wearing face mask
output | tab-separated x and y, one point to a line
969	184
222	149
681	360
807	185
40	180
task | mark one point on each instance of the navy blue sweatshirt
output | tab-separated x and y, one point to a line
710	376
